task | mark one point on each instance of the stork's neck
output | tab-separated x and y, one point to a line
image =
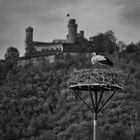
93	54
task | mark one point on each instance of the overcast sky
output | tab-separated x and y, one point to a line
48	18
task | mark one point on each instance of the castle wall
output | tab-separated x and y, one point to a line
74	54
49	47
36	60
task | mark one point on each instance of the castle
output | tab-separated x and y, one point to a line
57	45
48	50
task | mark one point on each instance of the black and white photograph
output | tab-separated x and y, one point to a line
69	69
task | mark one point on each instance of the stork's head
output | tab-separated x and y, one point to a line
93	54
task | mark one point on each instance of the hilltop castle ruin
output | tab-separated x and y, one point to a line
63	45
36	50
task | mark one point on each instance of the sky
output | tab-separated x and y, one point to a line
48	18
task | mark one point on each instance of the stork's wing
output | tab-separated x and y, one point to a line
107	62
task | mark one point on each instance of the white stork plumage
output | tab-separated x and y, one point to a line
100	59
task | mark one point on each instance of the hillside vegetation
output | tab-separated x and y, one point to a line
36	104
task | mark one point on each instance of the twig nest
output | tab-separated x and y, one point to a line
109	77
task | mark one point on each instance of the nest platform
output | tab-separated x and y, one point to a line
96	80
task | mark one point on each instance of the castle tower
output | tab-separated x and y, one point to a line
29	36
81	34
72	31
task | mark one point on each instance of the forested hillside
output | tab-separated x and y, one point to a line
35	103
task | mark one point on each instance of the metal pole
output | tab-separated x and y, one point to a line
76	93
95	107
95	115
106	101
95	126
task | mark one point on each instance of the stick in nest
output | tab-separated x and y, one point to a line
99	76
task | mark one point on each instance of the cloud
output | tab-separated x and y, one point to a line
129	12
131	15
31	11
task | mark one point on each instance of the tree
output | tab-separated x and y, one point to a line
30	50
121	45
104	42
131	48
138	46
97	42
11	52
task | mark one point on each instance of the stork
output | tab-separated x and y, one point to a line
100	59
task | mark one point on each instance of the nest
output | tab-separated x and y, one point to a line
105	77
